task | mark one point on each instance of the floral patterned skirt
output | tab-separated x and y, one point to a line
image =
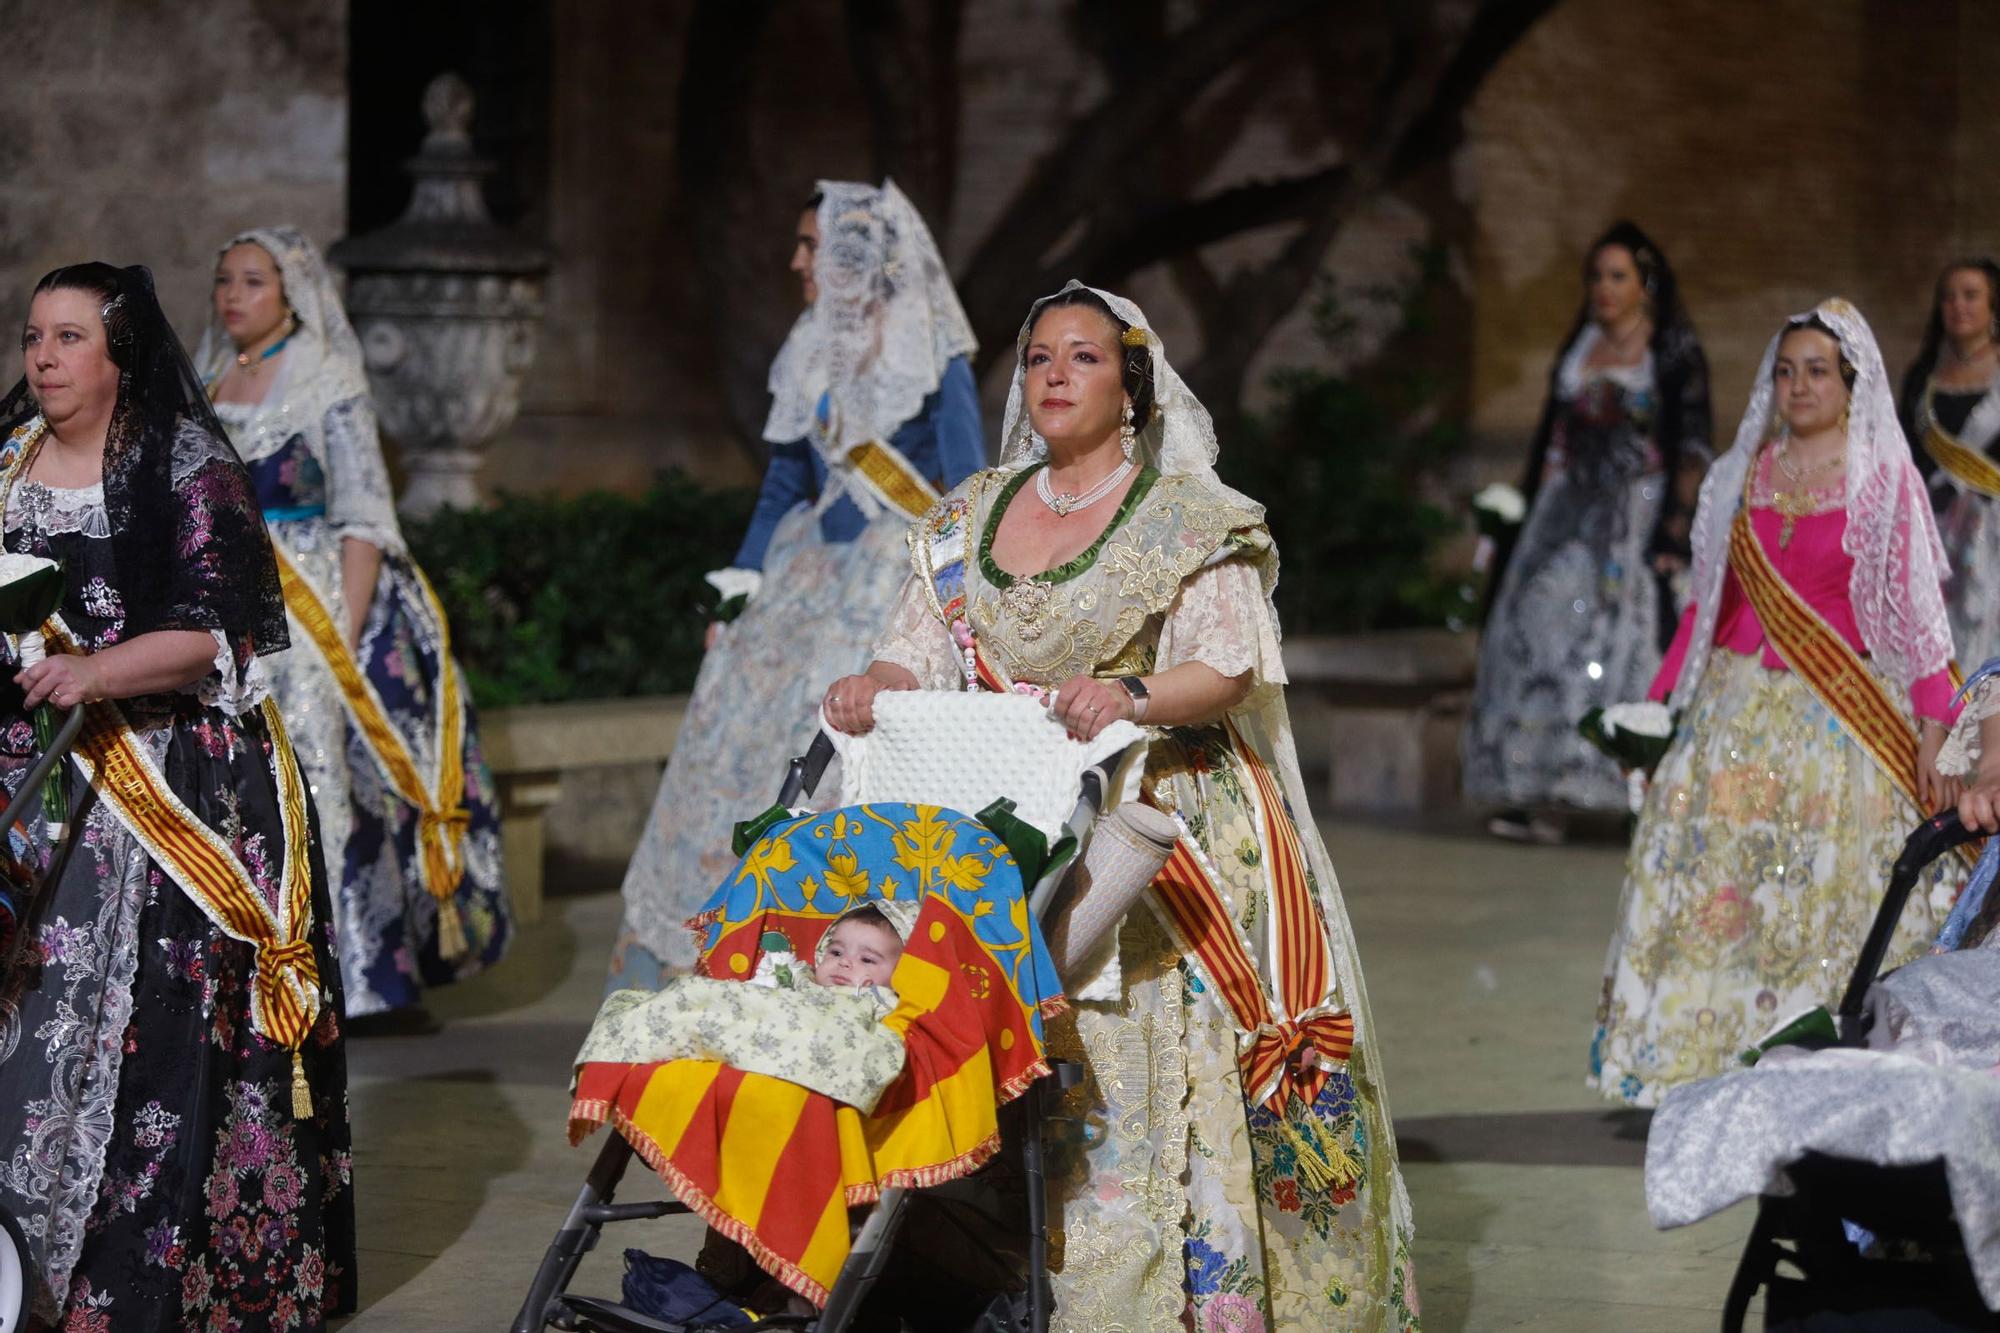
755	705
1181	1206
147	1142
1576	626
387	918
1756	869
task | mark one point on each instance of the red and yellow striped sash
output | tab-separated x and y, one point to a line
285	996
1968	466
1290	1047
440	805
1828	664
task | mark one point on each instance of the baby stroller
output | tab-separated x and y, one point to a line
870	1246
16	894
1872	1151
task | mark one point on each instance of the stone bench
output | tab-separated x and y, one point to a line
1377	716
530	749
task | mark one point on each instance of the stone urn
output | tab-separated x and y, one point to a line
448	305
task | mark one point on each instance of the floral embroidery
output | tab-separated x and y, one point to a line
100	599
253	1225
1332	1134
89	1311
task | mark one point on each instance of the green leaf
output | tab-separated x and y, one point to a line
28	601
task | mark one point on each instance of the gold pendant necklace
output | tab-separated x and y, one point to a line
1797	502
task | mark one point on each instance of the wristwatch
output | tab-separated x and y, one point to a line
1140	696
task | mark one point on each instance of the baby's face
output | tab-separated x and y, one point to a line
859	953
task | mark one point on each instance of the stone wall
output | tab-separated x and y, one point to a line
626	381
1778	152
146	132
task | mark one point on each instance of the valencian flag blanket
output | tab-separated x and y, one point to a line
775	1166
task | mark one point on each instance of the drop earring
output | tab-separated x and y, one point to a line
1128	438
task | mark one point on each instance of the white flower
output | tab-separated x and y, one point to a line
732	581
15	567
1502	501
1641	719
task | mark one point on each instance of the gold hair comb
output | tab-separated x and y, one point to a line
1133	337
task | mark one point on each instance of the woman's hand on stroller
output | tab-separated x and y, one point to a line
1937	791
849	704
1086	705
1979	803
63	679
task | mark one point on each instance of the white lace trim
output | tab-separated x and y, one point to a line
64	510
1899	564
226	688
1575	375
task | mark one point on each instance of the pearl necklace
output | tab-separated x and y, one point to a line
1067	503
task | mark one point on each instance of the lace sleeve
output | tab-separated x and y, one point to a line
916	642
236	685
359	501
1221	618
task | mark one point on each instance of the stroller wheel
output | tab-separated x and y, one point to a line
13	1275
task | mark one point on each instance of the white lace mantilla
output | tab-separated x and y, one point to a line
1897	588
877	338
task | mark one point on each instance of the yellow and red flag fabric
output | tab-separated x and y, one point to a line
775	1166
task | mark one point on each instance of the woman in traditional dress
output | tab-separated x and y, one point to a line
1104	568
1584	604
1811	678
873	413
1951	410
173	1086
377	708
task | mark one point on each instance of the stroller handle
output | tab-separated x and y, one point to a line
1935	837
802	777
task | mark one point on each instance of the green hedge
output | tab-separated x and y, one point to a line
600	596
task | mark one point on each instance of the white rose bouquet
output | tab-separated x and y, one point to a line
31	588
1636	736
1498	510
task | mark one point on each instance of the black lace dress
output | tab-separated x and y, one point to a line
148	1145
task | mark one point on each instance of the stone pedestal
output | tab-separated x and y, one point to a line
447	305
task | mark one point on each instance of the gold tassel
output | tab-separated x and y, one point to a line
302	1100
451	932
1323	1163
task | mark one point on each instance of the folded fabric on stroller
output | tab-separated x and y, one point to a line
1926	1088
775	1165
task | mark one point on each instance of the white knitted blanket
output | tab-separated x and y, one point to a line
965	750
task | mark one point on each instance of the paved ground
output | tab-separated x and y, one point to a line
1482	964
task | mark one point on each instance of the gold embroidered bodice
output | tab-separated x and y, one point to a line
1100	614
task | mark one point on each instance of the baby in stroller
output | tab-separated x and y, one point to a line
882	1068
817	1024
